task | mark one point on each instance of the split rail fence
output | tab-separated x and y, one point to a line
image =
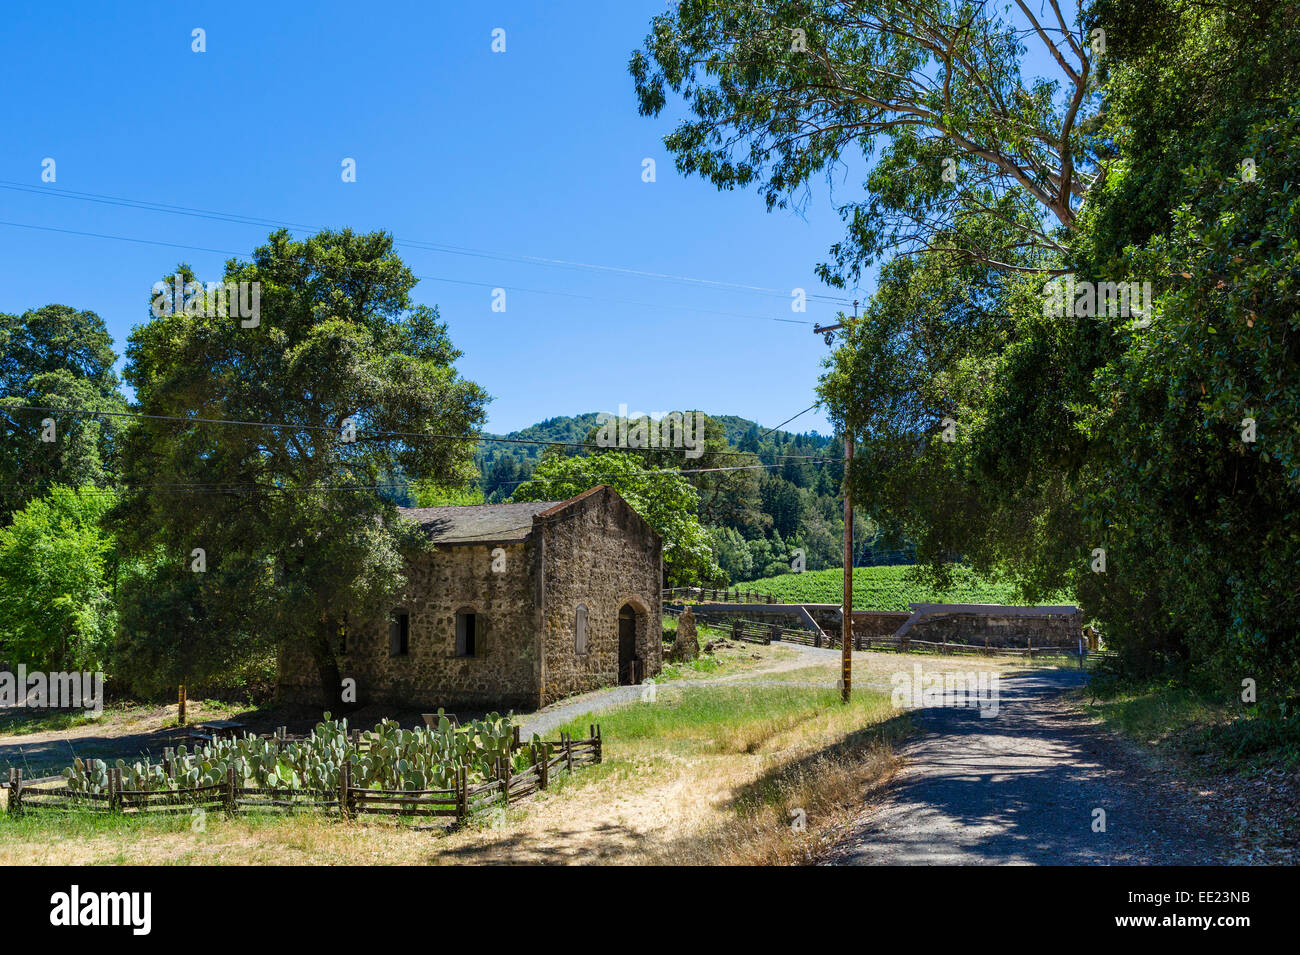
550	760
718	595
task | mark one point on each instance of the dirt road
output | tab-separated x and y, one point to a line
1023	788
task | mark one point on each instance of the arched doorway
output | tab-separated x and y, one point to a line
629	666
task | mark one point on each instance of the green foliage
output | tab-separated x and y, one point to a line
775	94
388	757
1078	432
437	495
56	582
55	357
177	626
732	554
338	341
665	500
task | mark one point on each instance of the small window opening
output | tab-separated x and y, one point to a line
399	633
580	630
466	634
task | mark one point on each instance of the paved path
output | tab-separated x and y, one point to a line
1021	788
547	720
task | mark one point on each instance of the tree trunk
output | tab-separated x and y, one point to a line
327	666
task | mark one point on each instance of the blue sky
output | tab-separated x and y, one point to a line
535	152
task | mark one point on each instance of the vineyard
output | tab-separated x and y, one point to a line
889	588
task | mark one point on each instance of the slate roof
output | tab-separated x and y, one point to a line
478	523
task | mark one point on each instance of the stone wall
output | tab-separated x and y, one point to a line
451	579
597	552
997	630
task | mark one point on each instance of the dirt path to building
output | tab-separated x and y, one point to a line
545	721
1024	787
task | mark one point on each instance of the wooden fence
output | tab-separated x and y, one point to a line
549	761
718	595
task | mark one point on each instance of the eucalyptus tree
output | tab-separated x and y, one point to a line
933	95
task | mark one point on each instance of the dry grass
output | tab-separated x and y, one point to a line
704	775
708	774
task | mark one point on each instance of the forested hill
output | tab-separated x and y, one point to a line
576	428
756	520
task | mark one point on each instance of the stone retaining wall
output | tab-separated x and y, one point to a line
978	629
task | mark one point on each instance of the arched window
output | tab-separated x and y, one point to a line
399	633
580	629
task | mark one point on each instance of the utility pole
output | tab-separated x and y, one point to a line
846	611
846	633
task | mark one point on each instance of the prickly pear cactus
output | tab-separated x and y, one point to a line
388	757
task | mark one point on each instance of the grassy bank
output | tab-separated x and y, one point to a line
1206	728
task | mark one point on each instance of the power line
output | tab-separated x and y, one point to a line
786	422
212	488
439	247
602	299
271	425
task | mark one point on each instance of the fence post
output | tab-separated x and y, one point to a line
345	771
543	772
15	791
568	751
462	793
112	791
515	742
599	747
230	788
736	629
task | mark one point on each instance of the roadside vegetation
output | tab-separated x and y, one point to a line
702	774
1201	725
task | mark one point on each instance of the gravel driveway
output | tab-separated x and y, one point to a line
1021	789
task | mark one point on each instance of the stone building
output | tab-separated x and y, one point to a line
515	605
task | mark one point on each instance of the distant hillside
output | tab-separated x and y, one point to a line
575	428
563	428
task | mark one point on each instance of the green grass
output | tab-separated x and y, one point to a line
1212	728
733	719
25	723
703	665
87	824
888	588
